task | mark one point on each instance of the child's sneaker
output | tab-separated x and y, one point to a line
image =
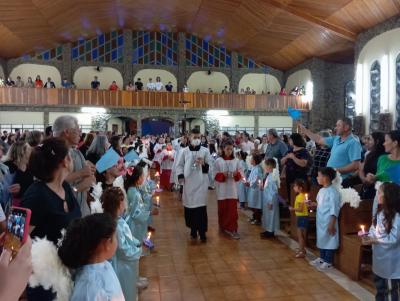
324	267
316	262
235	235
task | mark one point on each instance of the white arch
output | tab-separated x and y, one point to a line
298	78
165	76
260	83
383	48
84	76
32	70
201	80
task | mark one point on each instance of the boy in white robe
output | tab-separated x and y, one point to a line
192	170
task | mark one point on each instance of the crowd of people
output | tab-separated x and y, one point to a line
98	187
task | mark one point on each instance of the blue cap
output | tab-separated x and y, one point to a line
294	113
108	160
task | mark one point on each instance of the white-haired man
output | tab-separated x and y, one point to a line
82	177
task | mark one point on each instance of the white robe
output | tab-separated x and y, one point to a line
195	188
227	189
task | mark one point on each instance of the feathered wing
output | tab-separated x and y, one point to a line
48	270
96	206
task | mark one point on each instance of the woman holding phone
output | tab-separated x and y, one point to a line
50	199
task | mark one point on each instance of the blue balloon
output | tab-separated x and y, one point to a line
294	113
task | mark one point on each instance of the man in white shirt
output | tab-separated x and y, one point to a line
159	86
247	146
150	85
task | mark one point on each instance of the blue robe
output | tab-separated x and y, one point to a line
97	282
137	214
147	196
126	260
254	194
328	200
270	218
241	186
386	251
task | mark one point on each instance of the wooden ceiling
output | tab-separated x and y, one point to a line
279	33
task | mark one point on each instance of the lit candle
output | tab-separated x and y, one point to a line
158	186
157	174
306	197
362	229
148	236
244	180
158	201
259	182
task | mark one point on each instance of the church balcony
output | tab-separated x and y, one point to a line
31	97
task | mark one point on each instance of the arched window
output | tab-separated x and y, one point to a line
350	99
398	92
375	96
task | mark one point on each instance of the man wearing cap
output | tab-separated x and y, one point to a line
276	148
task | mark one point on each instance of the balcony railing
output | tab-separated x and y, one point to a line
145	99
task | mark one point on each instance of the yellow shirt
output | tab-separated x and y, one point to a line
300	198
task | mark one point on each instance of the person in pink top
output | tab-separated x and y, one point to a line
113	86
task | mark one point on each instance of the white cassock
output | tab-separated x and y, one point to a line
195	189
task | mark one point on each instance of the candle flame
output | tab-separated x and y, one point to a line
306	196
149	235
362	228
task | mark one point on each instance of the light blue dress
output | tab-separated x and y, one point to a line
328	200
126	260
97	282
147	196
241	186
137	214
270	218
254	194
386	252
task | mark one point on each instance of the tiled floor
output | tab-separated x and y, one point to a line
224	269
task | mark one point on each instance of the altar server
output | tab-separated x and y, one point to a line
228	172
167	160
192	169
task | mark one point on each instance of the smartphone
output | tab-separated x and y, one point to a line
17	228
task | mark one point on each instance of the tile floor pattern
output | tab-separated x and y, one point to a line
225	269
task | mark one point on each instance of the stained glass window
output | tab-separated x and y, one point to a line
245	62
375	96
201	53
46	55
155	48
105	48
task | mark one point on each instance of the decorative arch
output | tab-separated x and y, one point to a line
260	83
299	78
121	124
375	96
165	76
203	80
84	75
32	70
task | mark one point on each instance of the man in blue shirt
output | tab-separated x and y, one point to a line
95	84
345	147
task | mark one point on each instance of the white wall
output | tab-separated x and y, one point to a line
84	76
232	121
298	78
274	121
83	118
384	48
32	70
116	121
14	117
200	123
166	77
260	83
201	80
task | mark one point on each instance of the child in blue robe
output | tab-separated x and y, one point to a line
88	244
270	203
384	235
126	259
241	185
328	207
254	194
138	213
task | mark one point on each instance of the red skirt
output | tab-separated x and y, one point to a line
157	166
165	179
228	215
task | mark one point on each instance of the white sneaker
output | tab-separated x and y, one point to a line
143	279
316	262
142	285
324	267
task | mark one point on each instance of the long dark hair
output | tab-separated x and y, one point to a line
371	160
227	142
132	177
83	237
390	206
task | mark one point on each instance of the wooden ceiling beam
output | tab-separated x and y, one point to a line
334	28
